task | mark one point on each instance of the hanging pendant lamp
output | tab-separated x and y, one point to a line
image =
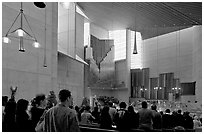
21	33
135	45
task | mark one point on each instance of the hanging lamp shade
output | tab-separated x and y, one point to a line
135	45
21	47
40	4
20	32
6	40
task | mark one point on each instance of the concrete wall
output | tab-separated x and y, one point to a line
66	30
25	70
71	76
120	72
178	52
197	61
80	36
71	71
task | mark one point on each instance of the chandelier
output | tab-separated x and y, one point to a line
20	33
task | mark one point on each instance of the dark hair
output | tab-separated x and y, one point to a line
144	104
110	103
38	98
4	100
22	105
64	94
76	108
123	105
179	111
167	111
105	110
87	108
131	109
154	107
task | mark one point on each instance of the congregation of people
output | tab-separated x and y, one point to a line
52	116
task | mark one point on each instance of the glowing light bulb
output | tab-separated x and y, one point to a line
36	44
6	40
20	32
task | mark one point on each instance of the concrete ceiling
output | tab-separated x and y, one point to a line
149	18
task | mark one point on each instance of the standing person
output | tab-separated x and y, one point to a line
51	100
145	117
188	121
4	102
167	120
196	122
157	120
39	105
60	118
179	119
105	118
120	118
132	118
23	124
86	117
9	117
96	114
112	111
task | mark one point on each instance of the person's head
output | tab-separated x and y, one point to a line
4	100
65	97
110	103
87	108
144	104
179	111
105	110
40	100
10	107
76	108
22	105
123	105
131	109
167	111
154	107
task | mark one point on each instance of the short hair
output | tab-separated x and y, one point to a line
144	104
4	100
167	111
154	107
38	98
123	105
64	94
22	105
131	109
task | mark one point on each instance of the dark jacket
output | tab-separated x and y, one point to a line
167	121
120	120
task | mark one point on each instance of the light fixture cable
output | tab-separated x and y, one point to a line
45	58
